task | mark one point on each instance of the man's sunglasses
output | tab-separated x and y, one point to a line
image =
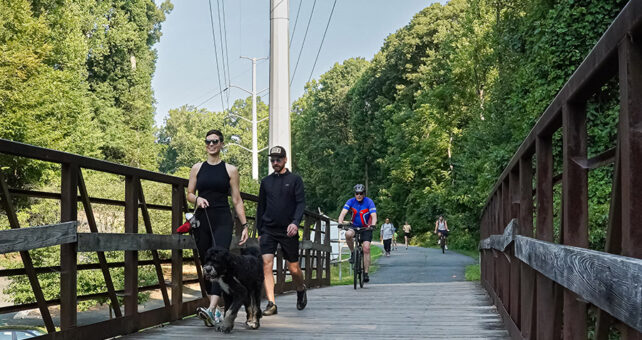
359	193
212	141
276	160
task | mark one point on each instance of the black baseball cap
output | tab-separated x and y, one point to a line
277	151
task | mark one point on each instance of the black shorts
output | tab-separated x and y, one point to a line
407	235
443	232
366	236
289	245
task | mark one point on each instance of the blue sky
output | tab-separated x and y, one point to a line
186	69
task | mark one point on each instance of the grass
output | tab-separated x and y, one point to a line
375	253
473	272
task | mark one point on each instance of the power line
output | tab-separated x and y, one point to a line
322	39
295	22
212	97
218	72
303	43
225	63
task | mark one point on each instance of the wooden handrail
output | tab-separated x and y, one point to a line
315	252
540	287
611	282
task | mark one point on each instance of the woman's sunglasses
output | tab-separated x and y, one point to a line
212	141
359	193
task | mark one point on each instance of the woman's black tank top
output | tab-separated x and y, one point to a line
213	184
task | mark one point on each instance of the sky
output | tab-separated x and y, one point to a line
186	69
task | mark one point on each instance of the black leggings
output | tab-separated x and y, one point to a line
386	245
222	223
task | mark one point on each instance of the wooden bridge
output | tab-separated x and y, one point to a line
542	288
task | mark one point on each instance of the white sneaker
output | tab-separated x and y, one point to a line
446	247
438	241
218	317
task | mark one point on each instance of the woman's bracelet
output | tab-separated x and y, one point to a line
244	225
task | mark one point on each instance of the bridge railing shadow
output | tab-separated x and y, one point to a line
315	247
545	289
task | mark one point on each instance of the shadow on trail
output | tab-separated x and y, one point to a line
417	265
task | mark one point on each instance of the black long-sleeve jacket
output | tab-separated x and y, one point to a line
281	202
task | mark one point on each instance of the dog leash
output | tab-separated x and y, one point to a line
207	216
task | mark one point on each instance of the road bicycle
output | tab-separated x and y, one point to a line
357	253
442	242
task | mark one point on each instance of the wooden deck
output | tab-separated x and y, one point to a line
437	310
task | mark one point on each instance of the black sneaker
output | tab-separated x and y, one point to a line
351	260
366	278
270	309
301	298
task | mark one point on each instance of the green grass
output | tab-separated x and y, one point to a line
472	253
375	253
473	272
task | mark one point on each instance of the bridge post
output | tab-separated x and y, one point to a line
548	314
68	252
131	257
630	134
575	207
513	184
178	194
527	275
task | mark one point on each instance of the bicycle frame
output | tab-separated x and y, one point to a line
357	253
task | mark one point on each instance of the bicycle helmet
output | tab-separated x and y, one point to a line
359	188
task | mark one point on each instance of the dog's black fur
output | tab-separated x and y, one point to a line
241	280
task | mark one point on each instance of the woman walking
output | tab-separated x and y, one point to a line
210	182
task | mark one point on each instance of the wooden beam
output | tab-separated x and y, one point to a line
68	252
26	258
148	228
630	134
610	282
102	259
548	300
22	239
311	245
575	208
89	242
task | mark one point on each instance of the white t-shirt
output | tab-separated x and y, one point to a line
387	230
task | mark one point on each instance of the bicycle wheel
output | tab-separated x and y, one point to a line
357	267
443	245
362	267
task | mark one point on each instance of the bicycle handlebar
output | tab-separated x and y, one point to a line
346	226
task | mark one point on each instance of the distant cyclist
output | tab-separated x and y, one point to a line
441	228
364	214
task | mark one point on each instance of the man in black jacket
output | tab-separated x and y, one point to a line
280	210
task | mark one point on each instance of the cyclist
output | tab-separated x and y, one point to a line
441	228
364	214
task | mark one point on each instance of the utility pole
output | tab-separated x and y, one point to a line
280	78
255	148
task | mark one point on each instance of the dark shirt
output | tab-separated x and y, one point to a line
281	202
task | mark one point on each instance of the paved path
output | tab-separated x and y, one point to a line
415	294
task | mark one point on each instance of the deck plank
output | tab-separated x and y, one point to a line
453	310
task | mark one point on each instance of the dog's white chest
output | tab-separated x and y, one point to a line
224	286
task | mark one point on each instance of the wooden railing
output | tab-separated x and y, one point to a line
544	289
314	250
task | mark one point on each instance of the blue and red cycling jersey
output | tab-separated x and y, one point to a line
361	211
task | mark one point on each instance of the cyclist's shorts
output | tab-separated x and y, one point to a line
443	232
289	246
366	236
407	235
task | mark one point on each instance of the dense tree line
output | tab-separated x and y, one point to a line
431	121
76	76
